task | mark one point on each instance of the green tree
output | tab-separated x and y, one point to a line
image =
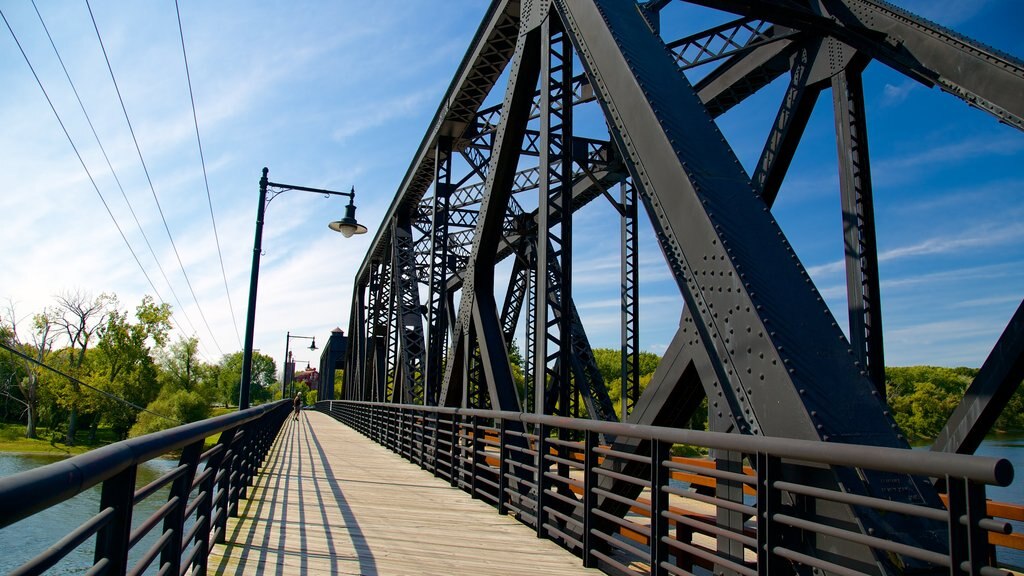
180	365
264	371
171	408
923	397
124	365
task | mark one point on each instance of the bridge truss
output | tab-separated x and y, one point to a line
503	182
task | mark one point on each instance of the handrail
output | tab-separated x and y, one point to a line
609	493
226	470
994	471
28	492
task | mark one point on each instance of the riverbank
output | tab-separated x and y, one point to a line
13	441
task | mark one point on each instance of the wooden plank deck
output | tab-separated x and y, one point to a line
330	501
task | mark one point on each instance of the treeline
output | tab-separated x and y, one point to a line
922	398
112	369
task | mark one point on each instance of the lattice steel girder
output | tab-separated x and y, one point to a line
409	315
933	55
734	266
477	309
769	334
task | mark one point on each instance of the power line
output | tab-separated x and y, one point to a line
79	382
152	188
77	154
113	172
206	180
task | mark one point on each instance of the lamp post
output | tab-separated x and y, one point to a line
347	226
287	379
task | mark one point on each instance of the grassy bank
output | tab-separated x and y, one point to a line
12	439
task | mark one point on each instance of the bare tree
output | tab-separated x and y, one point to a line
80	316
42	336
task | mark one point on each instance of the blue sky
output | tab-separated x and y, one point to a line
335	94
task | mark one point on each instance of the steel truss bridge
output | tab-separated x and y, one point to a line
809	471
755	337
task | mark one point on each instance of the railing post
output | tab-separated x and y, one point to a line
542	479
474	463
454	470
112	541
968	543
660	451
502	467
589	496
175	520
222	491
769	503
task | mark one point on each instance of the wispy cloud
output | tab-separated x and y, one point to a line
994	234
894	94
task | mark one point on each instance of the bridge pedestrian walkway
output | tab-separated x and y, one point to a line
329	501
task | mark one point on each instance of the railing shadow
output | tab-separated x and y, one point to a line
286	537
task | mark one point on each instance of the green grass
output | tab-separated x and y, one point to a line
12	439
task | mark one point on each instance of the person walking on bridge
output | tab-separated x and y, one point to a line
298	404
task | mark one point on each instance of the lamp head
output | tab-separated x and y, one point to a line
348	225
313	345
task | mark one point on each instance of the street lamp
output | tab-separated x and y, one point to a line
285	390
347	226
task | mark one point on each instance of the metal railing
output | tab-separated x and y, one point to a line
205	488
594	488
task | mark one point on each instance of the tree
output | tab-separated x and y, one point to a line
81	316
43	335
124	365
171	408
229	380
180	367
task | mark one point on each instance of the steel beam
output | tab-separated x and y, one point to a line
862	290
738	275
986	397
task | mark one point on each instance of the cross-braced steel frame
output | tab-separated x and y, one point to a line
755	337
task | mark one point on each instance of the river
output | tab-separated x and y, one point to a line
25	539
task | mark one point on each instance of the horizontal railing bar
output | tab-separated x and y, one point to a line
997	471
631	502
710	528
936	558
611	562
815	562
721	503
25	493
623	477
858	500
196	526
562	497
142	529
711	472
150	555
51	556
620	455
643	529
194	504
168	477
707	555
565	537
189	558
98	568
620	544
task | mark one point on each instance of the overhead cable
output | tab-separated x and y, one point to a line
206	180
149	179
88	119
80	383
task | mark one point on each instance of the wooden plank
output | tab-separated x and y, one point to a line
330	501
